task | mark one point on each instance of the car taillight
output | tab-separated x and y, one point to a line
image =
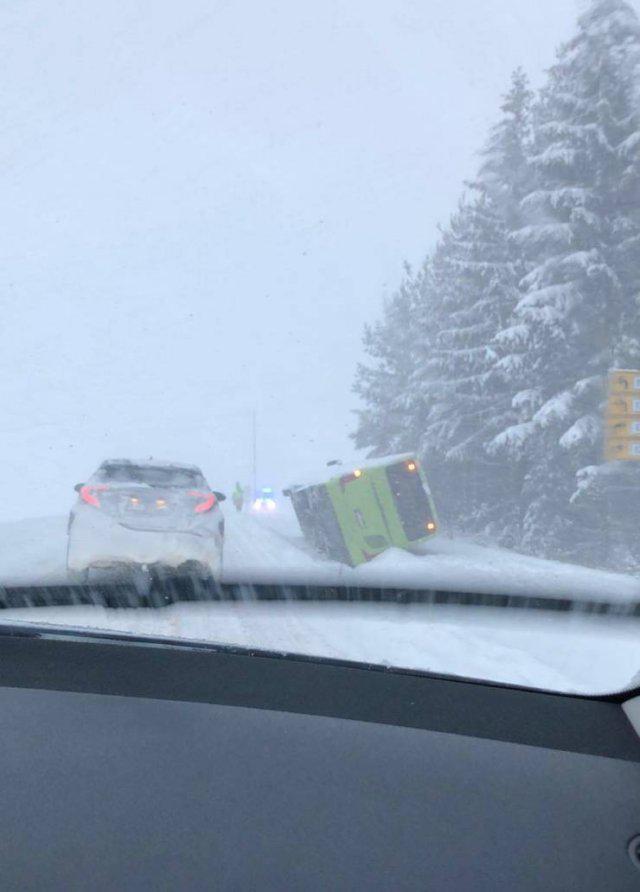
88	494
207	503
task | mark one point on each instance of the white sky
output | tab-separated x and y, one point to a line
203	203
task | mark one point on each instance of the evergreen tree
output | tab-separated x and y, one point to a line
385	423
580	295
530	297
473	279
505	175
438	381
504	172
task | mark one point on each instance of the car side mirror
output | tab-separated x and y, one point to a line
286	493
78	487
220	496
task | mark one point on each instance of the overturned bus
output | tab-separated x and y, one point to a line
357	514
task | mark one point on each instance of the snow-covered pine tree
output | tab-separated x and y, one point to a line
579	312
608	495
504	172
386	424
505	175
473	279
466	375
441	385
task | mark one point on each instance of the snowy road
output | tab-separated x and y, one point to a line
564	653
272	549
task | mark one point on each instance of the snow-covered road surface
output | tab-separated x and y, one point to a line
272	549
568	653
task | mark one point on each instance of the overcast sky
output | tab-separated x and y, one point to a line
204	202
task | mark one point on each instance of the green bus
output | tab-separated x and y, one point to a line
357	514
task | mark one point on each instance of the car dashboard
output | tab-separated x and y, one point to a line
162	764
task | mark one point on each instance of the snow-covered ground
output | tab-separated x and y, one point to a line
272	549
568	653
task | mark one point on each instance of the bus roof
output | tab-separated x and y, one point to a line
325	473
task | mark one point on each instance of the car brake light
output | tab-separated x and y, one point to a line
88	494
207	504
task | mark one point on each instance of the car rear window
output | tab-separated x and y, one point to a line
151	475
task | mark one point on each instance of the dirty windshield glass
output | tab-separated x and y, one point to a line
322	295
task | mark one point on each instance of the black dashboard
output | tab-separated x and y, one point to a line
159	765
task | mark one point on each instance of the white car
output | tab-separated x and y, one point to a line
146	515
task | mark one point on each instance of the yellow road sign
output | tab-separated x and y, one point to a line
620	427
624	381
622	419
622	449
619	405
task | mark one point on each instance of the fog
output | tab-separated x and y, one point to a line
204	203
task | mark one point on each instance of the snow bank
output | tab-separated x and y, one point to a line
272	550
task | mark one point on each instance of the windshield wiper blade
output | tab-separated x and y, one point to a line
168	590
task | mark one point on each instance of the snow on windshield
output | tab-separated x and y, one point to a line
149	474
374	270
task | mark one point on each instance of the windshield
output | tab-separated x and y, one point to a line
374	268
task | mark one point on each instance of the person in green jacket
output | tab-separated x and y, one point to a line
238	497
